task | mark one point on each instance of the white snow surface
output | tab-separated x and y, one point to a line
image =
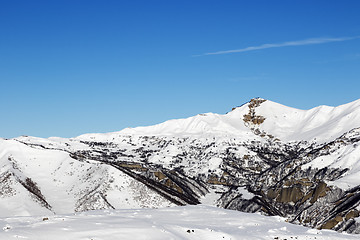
189	222
319	124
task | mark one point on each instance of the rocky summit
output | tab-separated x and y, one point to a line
264	157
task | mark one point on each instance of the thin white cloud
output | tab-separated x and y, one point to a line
310	41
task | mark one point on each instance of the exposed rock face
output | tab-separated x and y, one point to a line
251	117
258	174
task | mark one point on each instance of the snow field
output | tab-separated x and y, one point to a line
189	222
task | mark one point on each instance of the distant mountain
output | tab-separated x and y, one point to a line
319	124
303	165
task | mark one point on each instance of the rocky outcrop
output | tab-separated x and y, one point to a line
252	118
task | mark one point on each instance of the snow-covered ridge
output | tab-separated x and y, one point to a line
318	124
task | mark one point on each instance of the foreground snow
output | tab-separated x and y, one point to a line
189	222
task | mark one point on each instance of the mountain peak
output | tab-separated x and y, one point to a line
257	99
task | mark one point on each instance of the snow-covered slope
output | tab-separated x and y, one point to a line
321	123
43	181
190	222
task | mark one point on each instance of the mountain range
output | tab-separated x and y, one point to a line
302	165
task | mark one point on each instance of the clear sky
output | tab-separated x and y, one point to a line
74	67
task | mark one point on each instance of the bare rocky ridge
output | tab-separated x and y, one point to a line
260	173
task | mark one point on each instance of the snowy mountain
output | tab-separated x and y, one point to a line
302	165
322	123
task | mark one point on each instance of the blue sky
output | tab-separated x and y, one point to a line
74	67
